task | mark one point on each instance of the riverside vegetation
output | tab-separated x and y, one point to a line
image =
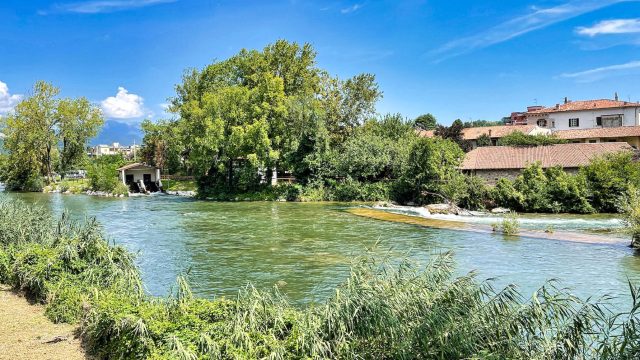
382	311
239	120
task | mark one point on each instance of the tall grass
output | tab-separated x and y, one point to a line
384	310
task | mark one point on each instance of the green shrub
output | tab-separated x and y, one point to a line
103	173
609	178
518	138
510	224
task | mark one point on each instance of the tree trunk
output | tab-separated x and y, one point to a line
48	159
230	174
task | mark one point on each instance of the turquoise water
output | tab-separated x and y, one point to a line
310	246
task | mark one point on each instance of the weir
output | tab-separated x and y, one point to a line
484	229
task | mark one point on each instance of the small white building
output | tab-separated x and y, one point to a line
141	177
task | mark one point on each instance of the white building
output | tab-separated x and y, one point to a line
587	114
141	177
129	152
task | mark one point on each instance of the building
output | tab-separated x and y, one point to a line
141	177
129	152
628	134
494	132
586	114
495	162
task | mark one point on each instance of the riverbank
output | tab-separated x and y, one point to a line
91	281
26	333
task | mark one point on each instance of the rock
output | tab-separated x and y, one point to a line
385	204
441	209
411	203
182	193
500	210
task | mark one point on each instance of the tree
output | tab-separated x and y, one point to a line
44	130
432	170
78	121
425	122
453	133
483	140
259	110
160	146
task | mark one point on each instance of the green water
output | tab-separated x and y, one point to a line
310	246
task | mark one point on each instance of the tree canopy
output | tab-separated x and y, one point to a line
259	110
45	134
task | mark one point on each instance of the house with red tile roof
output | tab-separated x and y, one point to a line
495	162
585	114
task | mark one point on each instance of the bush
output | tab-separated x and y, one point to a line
518	138
350	190
609	178
103	173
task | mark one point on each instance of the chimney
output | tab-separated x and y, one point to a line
616	96
566	100
489	132
557	106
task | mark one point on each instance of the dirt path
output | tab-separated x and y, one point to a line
25	332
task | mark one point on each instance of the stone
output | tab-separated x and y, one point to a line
441	209
500	210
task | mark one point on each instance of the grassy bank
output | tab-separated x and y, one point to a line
382	311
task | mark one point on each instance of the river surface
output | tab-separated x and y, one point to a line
308	247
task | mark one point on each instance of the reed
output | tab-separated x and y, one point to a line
384	309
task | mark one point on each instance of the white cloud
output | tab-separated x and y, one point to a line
7	100
105	6
352	8
123	106
537	18
604	71
617	26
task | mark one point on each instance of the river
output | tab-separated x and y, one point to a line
308	247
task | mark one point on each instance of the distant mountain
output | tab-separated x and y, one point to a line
123	133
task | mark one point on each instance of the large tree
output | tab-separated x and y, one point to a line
259	110
44	133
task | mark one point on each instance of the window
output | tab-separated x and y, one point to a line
599	121
542	122
611	120
575	122
593	141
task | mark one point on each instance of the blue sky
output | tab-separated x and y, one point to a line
454	58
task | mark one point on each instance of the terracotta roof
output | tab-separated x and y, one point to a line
586	105
495	131
614	132
136	165
565	155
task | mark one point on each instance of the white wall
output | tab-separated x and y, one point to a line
630	117
138	174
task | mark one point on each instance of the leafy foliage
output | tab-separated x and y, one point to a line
518	138
425	122
103	173
45	134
